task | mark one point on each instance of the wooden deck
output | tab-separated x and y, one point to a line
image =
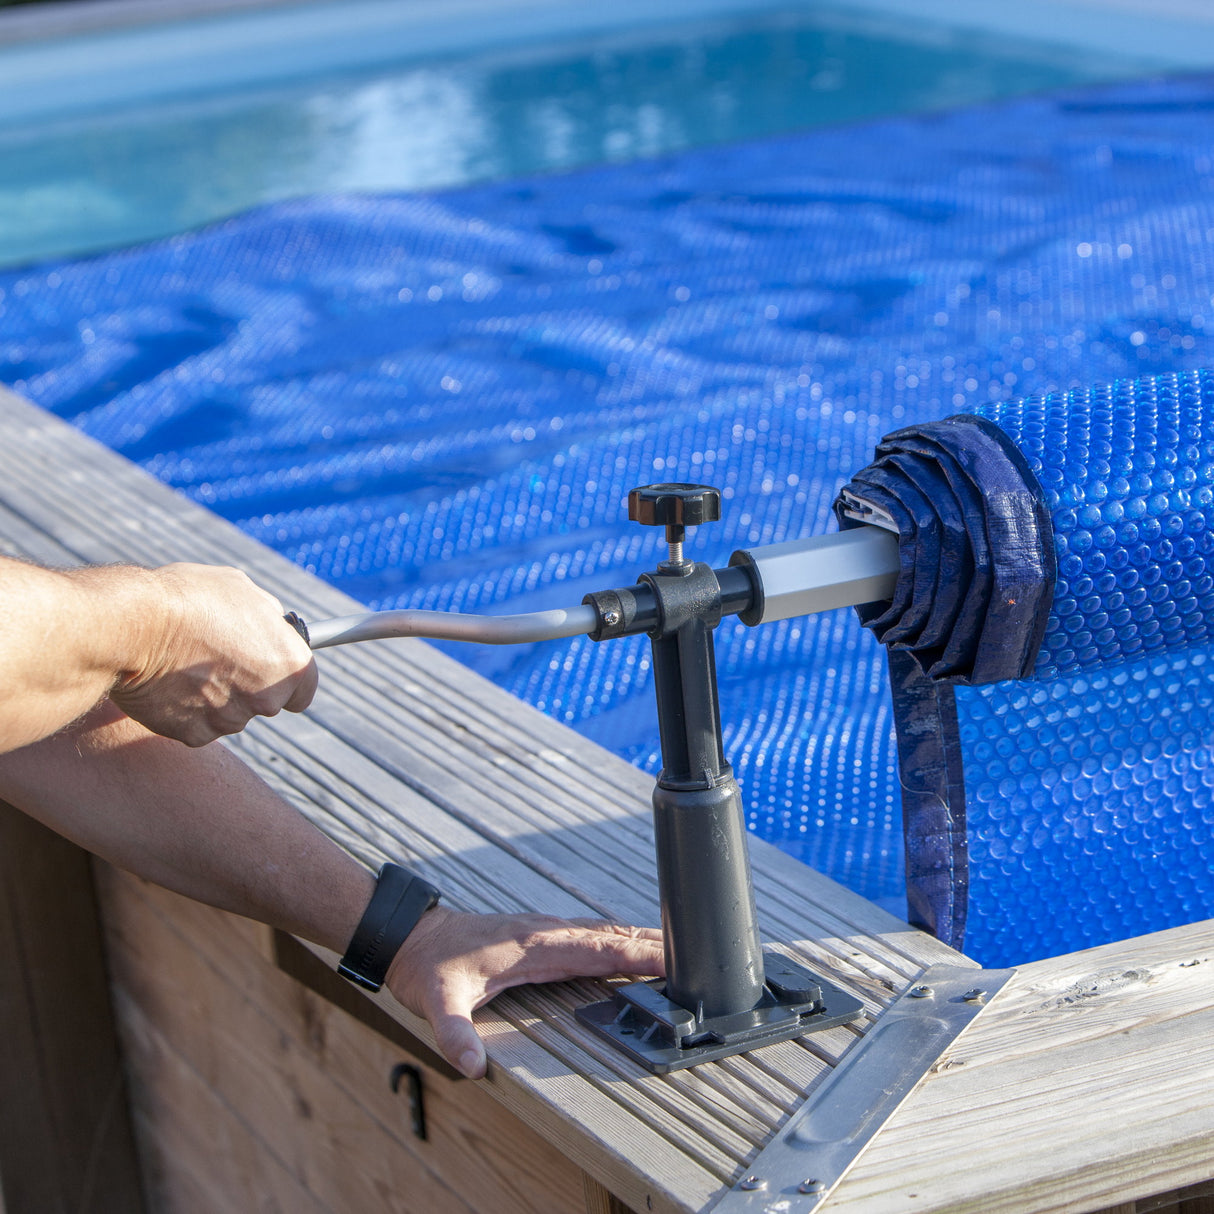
1085	1086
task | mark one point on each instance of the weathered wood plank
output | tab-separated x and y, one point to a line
598	1200
235	1173
1086	1085
66	1142
20	538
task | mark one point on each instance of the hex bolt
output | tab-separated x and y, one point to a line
975	995
753	1184
921	992
811	1186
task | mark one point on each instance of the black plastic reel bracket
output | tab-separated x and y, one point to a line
664	1036
721	995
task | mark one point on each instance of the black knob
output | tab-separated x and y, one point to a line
674	505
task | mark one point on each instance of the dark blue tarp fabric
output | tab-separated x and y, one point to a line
972	606
441	401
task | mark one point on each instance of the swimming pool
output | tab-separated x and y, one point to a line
163	143
439	399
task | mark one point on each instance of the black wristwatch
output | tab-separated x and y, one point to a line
399	901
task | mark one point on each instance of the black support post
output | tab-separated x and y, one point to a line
714	961
721	995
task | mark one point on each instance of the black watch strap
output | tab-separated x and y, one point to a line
399	901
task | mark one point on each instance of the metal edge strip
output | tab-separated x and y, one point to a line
803	1163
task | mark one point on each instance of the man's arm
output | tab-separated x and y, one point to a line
202	823
191	651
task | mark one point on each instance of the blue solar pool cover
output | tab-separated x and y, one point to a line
441	401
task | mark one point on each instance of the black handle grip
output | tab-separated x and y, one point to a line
296	621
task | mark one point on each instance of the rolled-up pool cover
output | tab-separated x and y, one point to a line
1049	647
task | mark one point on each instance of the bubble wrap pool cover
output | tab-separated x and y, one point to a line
442	401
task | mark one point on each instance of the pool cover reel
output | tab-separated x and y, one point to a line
980	541
977	563
1060	536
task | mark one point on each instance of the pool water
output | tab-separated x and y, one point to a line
87	181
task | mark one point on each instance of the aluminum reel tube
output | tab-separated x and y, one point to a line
820	573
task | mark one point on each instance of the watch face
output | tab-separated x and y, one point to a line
358	979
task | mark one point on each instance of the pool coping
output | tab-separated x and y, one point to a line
1139	27
64	59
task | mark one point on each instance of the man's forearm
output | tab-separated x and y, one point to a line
196	821
65	640
201	823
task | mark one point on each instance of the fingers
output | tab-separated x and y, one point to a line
636	949
622	929
553	954
305	689
454	962
456	1037
614	949
224	655
520	955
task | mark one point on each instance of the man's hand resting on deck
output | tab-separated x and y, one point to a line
199	821
453	963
